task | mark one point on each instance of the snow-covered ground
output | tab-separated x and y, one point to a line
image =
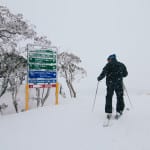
72	125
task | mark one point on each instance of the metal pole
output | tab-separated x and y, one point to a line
95	97
127	95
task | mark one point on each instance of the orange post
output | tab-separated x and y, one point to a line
57	93
27	98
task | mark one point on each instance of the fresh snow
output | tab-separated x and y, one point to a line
72	125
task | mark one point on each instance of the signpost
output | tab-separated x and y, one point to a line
42	69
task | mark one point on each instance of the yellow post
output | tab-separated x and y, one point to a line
57	93
27	98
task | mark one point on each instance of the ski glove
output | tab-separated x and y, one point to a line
98	78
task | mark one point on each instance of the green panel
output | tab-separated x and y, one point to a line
40	60
35	55
39	67
43	51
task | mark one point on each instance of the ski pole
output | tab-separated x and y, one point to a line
95	97
127	95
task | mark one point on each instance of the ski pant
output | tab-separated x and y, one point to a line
118	88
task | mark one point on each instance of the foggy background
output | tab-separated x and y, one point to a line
94	29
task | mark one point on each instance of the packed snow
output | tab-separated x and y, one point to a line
72	125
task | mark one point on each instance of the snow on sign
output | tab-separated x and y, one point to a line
42	68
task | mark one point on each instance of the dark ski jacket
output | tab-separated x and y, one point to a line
114	72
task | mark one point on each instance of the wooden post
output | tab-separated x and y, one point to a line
27	98
57	93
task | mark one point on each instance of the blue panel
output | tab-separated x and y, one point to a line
42	74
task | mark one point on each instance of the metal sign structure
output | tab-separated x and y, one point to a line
42	68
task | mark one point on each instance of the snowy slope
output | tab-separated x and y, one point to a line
72	126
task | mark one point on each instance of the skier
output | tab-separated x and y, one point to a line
114	72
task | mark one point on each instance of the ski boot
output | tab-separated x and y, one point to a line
109	116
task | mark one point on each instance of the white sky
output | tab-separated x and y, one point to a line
94	29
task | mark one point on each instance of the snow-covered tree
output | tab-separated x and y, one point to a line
68	67
11	26
12	73
13	29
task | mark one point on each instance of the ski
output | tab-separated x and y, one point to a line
108	121
118	116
